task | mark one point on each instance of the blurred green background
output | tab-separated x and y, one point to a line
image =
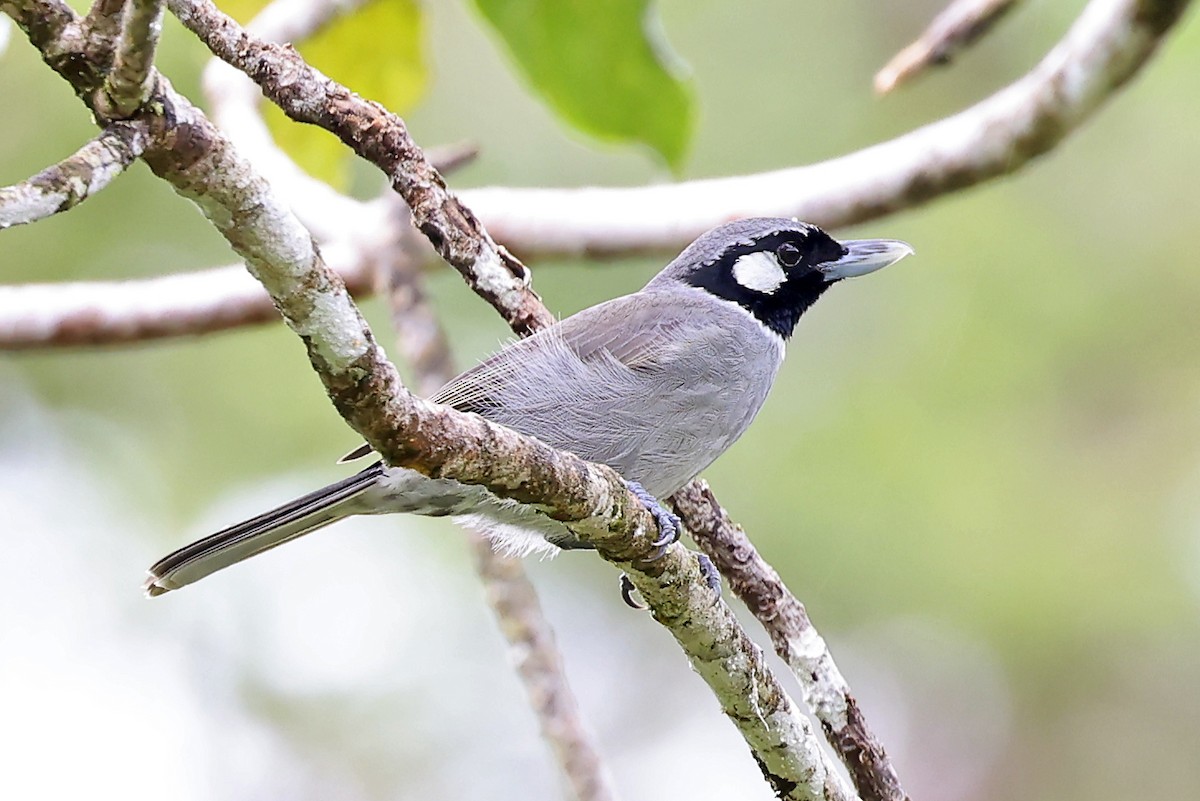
980	469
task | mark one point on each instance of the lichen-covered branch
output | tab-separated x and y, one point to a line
796	641
68	183
509	593
234	106
186	150
957	27
127	84
85	313
102	28
443	443
382	139
1106	46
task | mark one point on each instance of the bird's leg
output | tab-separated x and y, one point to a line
669	526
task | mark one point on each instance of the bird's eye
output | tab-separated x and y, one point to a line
788	254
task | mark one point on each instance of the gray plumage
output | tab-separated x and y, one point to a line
656	384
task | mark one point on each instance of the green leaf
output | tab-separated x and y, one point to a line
375	51
602	65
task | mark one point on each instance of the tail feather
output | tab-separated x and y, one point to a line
260	533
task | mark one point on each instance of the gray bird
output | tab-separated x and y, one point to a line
656	385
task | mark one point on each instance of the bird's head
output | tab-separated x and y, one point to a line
775	267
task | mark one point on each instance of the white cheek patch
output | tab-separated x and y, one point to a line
759	272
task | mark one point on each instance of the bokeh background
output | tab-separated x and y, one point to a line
980	468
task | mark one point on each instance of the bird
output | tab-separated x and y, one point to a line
655	384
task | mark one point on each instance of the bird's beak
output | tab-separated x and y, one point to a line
865	256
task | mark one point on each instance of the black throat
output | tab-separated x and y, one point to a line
779	310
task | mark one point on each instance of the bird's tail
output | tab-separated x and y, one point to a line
250	537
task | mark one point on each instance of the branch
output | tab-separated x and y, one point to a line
419	334
509	593
441	442
73	180
87	313
185	149
128	83
235	101
329	214
382	139
960	25
796	641
1105	47
534	653
102	27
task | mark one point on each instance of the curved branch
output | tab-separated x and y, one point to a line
1105	47
1109	43
73	180
437	441
796	641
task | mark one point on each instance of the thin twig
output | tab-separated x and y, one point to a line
960	25
128	83
534	651
64	185
796	641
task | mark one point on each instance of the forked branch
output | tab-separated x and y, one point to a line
188	152
1109	43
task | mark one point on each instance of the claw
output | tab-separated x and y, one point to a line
712	576
669	525
659	554
627	591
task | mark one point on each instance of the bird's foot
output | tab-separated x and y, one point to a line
669	526
712	576
627	591
707	570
